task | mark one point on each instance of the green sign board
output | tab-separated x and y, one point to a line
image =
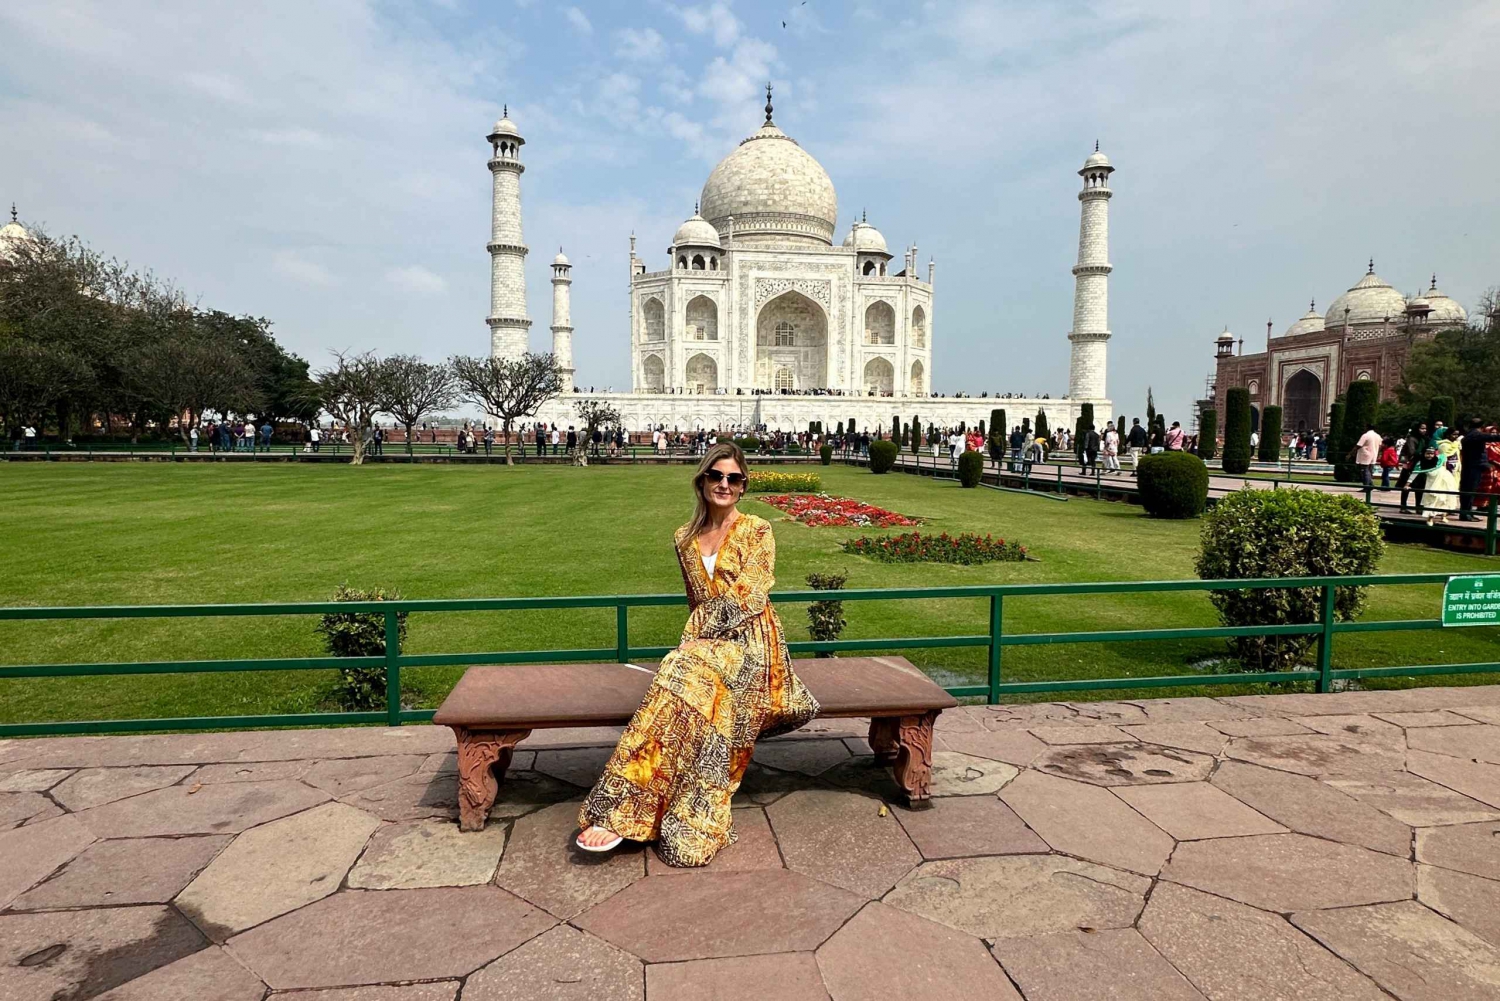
1472	600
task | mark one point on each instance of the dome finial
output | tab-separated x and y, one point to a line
863	217
1312	305
1096	145
504	111
1372	267
1430	288
695	208
768	104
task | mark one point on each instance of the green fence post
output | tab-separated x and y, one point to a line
1325	641
622	633
1098	491
392	668
1058	466
997	629
1489	526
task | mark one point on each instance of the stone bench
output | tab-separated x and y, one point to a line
492	709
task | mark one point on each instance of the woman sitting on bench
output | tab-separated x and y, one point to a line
728	682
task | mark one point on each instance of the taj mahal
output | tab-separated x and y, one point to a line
759	319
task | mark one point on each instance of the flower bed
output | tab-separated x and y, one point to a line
914	547
775	483
821	510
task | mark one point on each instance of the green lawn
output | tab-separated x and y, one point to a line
143	534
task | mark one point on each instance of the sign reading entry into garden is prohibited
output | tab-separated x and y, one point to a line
1472	600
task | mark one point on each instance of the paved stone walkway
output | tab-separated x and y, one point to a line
1318	848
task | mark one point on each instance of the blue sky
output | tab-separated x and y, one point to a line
323	163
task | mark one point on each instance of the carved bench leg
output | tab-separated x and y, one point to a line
905	742
884	738
483	756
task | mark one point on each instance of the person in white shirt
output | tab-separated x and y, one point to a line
1367	453
28	437
193	438
1254	440
1111	449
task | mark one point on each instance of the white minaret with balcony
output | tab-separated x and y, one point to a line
562	318
508	322
1090	334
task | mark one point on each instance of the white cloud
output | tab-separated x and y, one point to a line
716	20
417	279
640	45
293	265
578	19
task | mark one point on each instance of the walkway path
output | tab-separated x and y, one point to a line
1317	847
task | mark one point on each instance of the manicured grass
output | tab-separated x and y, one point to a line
146	534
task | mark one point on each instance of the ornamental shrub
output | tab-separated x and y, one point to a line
359	634
882	456
997	442
769	482
1042	430
840	431
916	433
914	547
748	444
1270	435
1360	404
895	427
1237	431
1285	533
1439	408
1208	432
825	453
970	468
1334	443
1172	484
851	425
825	619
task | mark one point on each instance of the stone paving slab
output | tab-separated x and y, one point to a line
1474	779
19	808
791	976
1124	764
443	990
664	919
1187	736
211	809
29	854
1479	742
384	936
1290	872
543	865
885	952
1311	807
1471	848
33	779
1014	747
841	838
1413	800
207	973
1471	901
1023	895
125	871
756	849
1088	821
563	964
969	825
1193	811
1233	952
81	954
97	786
1410	951
1318	755
276	868
422	853
1115	964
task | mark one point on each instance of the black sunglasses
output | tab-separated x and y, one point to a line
735	479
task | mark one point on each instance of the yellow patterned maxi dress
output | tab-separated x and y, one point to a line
728	682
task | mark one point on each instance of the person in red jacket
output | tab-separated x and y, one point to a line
1389	460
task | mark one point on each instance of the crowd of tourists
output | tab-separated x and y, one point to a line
1456	472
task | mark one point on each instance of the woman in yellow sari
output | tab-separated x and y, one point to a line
728	682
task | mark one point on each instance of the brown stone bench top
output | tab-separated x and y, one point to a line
539	696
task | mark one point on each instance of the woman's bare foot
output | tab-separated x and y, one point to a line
596	837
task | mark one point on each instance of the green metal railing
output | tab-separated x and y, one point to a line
995	640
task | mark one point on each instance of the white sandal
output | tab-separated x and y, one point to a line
608	846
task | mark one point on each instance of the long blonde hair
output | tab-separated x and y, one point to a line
723	450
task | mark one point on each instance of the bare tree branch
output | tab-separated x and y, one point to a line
508	388
353	391
417	390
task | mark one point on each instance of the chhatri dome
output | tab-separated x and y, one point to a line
1370	300
772	189
696	232
1444	309
12	234
1310	322
865	238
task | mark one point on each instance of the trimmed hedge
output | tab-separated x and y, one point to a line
997	441
1285	533
916	433
1173	484
748	444
1270	435
1042	430
1440	408
1334	442
882	456
970	468
825	453
1208	433
1360	404
1237	431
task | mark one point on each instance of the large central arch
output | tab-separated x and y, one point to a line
1303	402
791	332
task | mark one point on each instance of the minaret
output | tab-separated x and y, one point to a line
562	318
1090	334
509	324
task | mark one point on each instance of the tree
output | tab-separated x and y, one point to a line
190	373
418	389
1208	433
595	414
353	391
1334	441
1462	363
1080	429
896	429
1237	431
1270	435
997	441
33	377
1359	414
1150	409
508	388
1042	430
916	433
840	431
851	426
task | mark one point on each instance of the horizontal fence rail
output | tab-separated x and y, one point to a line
994	640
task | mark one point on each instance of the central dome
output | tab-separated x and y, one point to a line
1370	300
774	190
